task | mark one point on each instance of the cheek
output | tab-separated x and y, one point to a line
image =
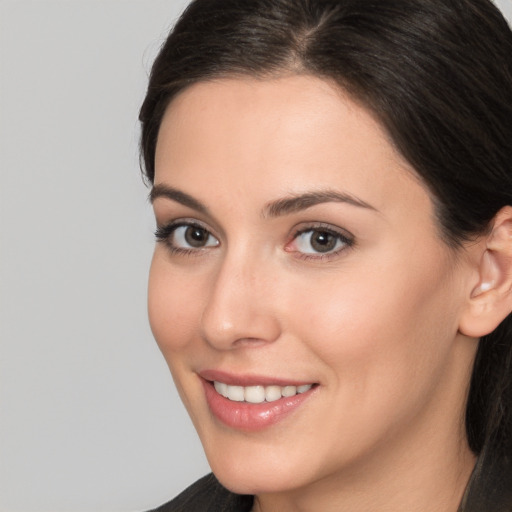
384	350
380	325
173	305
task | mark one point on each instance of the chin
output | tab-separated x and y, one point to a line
263	481
253	468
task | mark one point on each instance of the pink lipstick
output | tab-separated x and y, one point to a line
252	403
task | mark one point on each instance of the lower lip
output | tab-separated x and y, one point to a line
251	417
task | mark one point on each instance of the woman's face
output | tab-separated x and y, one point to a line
299	271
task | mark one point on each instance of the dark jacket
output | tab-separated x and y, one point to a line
489	490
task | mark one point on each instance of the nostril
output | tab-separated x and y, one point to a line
235	328
249	342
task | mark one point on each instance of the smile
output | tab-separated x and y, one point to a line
252	403
258	394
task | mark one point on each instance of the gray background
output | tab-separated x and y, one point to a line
89	419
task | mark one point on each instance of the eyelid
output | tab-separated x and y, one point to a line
304	227
182	221
167	211
165	230
347	238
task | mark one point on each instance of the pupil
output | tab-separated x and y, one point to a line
322	241
196	237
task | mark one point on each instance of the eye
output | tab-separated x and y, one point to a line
319	241
193	237
186	237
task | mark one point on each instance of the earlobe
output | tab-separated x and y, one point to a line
490	300
489	274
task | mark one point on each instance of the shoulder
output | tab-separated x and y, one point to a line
207	495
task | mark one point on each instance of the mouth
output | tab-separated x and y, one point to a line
259	393
251	403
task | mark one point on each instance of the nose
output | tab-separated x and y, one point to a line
240	310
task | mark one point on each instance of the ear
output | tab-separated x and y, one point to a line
490	300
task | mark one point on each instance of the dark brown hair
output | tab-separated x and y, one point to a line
436	73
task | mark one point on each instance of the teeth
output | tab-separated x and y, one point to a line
258	394
289	391
221	388
272	393
254	394
235	393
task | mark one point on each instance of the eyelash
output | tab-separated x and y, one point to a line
346	240
164	235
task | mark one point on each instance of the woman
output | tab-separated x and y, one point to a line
331	286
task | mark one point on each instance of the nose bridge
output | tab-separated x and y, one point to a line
239	308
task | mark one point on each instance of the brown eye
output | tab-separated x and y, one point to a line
320	241
196	236
323	241
191	236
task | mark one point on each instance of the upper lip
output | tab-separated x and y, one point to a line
249	379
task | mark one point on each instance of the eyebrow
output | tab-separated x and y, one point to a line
303	201
174	194
276	208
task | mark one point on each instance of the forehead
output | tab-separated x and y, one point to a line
284	134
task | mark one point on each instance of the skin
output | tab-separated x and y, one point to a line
374	324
